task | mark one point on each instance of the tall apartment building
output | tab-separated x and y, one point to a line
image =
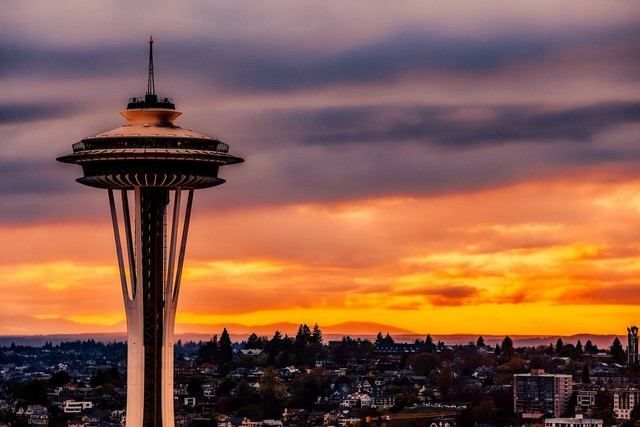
632	345
623	402
538	394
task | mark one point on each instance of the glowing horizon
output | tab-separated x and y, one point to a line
449	258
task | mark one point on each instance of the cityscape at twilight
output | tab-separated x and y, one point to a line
467	168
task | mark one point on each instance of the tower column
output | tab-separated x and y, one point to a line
151	156
153	203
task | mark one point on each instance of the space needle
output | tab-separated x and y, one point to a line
159	165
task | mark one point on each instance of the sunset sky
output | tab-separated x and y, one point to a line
443	167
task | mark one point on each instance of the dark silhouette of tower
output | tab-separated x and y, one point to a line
154	161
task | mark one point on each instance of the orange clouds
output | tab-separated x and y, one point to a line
465	263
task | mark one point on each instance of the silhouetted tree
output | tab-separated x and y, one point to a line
303	335
59	379
316	335
254	342
428	340
208	352
507	348
424	363
194	386
225	352
559	345
379	338
388	339
273	347
445	381
35	392
617	351
579	347
272	392
569	350
480	342
485	412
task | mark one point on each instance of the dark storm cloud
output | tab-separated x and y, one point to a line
248	68
440	126
20	60
20	177
257	65
22	113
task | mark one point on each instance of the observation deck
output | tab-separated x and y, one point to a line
150	151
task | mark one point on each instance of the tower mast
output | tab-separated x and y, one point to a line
151	90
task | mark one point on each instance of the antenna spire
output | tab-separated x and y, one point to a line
151	90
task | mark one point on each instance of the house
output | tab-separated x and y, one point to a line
606	373
382	400
578	421
363	400
207	369
251	352
348	419
293	415
74	407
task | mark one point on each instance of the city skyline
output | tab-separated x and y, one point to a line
439	168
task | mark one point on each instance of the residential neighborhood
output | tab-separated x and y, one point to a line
303	380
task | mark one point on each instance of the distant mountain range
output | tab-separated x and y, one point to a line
363	330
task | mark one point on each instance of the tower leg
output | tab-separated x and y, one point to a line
151	300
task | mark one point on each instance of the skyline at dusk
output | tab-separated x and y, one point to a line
444	169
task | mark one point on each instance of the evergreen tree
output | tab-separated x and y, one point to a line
388	339
559	345
497	351
579	347
445	381
617	351
59	379
588	346
208	352
480	342
254	342
428	340
272	392
379	338
194	386
507	348
273	347
226	352
303	336
316	335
